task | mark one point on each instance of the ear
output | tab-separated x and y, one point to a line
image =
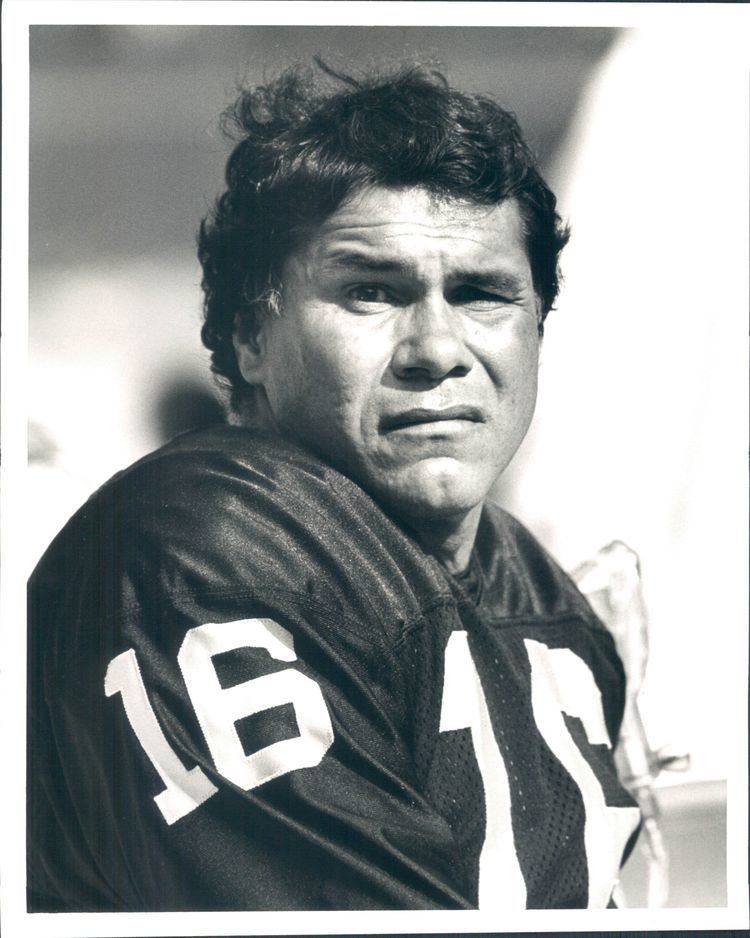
250	349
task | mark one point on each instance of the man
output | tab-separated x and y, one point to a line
301	662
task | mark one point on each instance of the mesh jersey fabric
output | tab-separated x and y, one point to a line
390	811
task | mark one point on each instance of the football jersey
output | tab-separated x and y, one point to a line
250	689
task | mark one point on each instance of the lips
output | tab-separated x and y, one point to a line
420	415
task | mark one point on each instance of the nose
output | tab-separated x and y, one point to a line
431	345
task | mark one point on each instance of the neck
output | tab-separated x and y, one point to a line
448	540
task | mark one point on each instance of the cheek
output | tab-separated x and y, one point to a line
286	377
513	364
526	380
318	378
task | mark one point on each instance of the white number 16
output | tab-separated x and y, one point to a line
219	708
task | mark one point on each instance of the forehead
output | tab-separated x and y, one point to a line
413	227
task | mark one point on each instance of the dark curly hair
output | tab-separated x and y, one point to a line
309	139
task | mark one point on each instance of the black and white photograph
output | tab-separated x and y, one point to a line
374	494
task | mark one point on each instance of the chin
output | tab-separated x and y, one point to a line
434	490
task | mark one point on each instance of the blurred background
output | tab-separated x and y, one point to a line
636	436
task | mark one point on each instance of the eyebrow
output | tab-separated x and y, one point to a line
366	262
497	280
492	280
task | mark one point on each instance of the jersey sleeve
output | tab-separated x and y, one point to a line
215	711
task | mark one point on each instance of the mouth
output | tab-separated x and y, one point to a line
422	415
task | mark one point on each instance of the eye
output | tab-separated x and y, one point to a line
366	296
476	297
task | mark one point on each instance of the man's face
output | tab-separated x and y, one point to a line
406	354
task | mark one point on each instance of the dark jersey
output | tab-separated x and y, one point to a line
250	689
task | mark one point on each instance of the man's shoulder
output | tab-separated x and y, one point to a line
195	489
204	483
523	577
232	511
217	458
